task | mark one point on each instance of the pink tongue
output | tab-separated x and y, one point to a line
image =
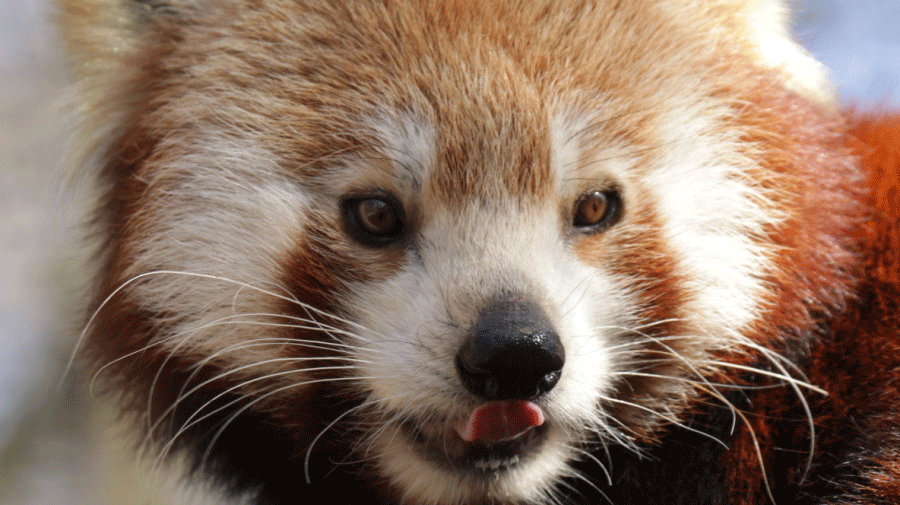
501	421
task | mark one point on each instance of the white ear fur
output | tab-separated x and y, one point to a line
767	24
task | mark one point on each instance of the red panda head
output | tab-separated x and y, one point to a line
453	247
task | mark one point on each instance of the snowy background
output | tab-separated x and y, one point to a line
40	425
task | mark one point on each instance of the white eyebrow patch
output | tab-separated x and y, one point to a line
408	140
565	130
578	159
587	154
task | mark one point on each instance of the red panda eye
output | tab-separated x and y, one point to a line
596	210
374	221
376	216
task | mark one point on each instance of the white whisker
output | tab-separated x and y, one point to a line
193	419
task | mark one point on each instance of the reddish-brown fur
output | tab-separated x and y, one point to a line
856	358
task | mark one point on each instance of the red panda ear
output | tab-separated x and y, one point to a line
767	27
764	26
101	32
112	47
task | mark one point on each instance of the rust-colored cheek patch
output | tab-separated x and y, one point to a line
320	273
634	251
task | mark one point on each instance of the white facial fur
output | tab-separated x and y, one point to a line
711	211
213	247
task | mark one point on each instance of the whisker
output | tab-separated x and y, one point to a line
692	381
666	417
81	336
781	376
193	419
197	366
759	456
183	395
227	320
383	425
243	285
321	345
593	485
779	363
595	459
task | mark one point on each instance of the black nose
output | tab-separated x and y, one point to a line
511	352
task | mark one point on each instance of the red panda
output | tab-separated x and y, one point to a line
472	252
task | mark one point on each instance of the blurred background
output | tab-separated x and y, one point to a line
43	428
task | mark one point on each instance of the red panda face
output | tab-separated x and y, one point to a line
459	256
549	232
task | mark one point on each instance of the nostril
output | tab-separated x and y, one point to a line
549	380
511	353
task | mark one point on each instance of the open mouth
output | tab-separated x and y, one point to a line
496	436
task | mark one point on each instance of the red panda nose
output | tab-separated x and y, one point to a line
511	353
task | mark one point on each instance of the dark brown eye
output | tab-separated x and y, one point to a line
374	221
376	216
596	210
